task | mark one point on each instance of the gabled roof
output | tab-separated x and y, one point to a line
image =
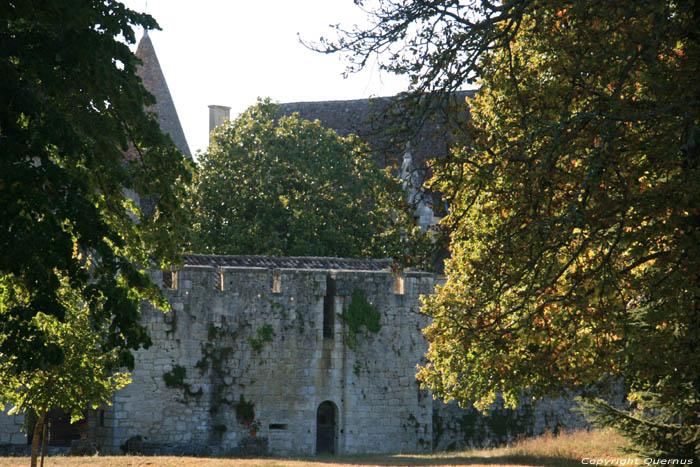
154	81
381	123
345	117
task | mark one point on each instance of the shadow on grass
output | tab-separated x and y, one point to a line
444	459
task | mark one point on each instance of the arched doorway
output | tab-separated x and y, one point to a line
326	428
59	429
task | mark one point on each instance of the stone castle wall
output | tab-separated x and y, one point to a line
276	341
456	428
11	429
253	344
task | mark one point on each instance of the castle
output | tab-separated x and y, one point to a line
320	352
288	341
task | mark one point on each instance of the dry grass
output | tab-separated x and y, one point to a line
576	445
566	450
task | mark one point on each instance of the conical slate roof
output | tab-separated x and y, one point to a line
154	81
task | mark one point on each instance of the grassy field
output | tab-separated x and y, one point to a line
566	450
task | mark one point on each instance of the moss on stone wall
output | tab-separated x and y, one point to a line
245	410
264	334
360	313
175	378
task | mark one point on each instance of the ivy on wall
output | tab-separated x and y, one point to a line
265	334
360	313
175	378
245	410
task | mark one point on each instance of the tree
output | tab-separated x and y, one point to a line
75	138
86	377
285	186
574	197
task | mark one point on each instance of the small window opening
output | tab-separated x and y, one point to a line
329	309
276	286
218	280
102	417
169	280
278	426
399	285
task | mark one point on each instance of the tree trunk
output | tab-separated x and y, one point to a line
37	434
43	441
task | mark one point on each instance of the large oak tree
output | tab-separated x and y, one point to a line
575	196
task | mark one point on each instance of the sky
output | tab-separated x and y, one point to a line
230	52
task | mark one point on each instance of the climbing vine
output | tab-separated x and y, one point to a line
265	334
175	378
215	353
360	313
245	410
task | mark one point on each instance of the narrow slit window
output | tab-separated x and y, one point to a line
278	426
169	280
329	310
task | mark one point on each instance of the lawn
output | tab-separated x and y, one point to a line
566	450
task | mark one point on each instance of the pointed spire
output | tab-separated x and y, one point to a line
154	81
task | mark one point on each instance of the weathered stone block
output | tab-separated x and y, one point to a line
17	438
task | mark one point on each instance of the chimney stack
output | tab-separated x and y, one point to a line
217	114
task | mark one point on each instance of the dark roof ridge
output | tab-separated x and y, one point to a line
287	262
340	101
394	97
285	257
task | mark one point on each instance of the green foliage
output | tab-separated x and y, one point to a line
72	107
75	138
245	410
175	378
202	365
574	195
657	428
265	334
357	368
582	229
215	354
86	376
360	313
285	186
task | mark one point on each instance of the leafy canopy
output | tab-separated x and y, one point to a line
574	201
74	139
285	186
86	377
